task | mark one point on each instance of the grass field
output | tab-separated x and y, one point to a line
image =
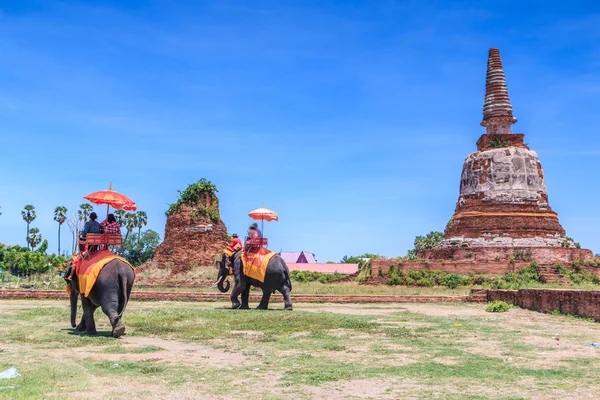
202	350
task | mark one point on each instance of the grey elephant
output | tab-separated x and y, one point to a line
277	278
111	292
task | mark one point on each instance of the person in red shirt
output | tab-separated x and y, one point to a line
236	243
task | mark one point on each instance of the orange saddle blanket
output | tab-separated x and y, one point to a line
87	269
255	262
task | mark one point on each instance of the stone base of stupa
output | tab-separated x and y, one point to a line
544	251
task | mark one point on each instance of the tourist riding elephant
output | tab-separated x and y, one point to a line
111	291
277	277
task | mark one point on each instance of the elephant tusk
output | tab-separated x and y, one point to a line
218	281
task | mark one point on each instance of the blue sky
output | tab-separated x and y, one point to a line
351	119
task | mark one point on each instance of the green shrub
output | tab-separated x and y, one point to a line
498	306
415	275
394	280
426	282
453	281
192	196
309	276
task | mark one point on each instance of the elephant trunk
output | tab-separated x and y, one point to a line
220	284
73	297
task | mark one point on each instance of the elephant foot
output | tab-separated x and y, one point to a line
236	306
262	308
244	307
94	332
288	308
119	330
80	328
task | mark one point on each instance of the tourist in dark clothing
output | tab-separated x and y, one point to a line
92	226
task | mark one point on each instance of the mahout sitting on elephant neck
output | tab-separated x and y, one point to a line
277	278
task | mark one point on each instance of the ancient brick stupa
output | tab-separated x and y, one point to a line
503	208
194	233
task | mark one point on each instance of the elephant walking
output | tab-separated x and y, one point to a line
111	292
277	278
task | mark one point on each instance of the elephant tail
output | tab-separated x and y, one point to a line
287	276
122	294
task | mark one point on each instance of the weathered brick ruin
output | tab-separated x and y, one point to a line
503	208
192	237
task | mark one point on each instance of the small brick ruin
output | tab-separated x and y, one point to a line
503	207
192	238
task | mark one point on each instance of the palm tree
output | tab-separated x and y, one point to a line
34	238
141	221
84	212
28	215
130	223
121	217
60	216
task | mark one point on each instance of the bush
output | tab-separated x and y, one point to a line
415	275
426	282
309	276
453	281
192	196
394	280
22	262
498	306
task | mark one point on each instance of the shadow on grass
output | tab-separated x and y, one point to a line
74	332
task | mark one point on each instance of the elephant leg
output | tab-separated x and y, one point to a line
235	292
81	326
88	314
287	299
110	307
264	302
245	298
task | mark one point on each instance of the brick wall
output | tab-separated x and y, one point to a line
582	303
254	297
459	267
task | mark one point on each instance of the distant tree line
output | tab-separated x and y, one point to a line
137	248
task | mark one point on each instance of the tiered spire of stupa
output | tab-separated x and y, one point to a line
497	110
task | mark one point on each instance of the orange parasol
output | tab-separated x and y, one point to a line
263	214
111	199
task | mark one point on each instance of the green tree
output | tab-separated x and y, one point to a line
141	220
140	251
358	259
28	215
425	242
130	224
60	216
34	238
21	261
428	242
121	217
84	212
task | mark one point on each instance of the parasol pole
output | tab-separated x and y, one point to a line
108	205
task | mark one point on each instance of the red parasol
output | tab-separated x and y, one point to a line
111	199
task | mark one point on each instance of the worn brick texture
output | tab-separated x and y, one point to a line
574	302
254	297
185	244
